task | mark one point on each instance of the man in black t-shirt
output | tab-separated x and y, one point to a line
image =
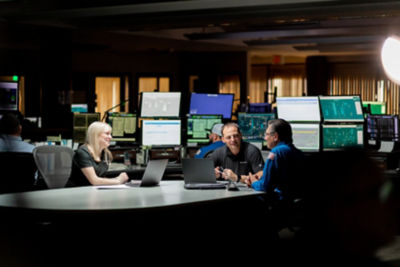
237	158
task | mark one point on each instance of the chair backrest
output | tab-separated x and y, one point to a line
17	172
54	164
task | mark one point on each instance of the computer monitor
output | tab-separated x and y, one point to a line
161	132
382	127
298	109
211	104
375	108
199	126
123	126
81	108
253	125
341	108
259	108
8	96
160	104
306	136
342	136
81	122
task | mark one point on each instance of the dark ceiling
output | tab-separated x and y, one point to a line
285	27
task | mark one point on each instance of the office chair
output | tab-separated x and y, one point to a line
54	164
17	172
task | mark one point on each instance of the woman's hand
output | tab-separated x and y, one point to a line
122	178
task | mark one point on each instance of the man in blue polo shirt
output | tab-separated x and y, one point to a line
283	167
215	139
10	135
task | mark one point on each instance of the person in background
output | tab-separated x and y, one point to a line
215	139
91	160
10	138
283	168
237	158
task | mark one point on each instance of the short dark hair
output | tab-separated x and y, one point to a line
230	124
283	129
9	124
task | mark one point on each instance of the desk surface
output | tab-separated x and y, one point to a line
90	198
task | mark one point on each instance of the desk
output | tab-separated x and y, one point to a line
92	199
122	225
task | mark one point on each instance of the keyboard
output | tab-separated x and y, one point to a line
205	186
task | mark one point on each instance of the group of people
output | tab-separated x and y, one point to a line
339	200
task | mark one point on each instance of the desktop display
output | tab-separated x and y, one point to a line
253	125
382	127
298	109
160	104
79	108
375	108
199	126
8	96
259	108
306	137
123	126
81	122
211	104
341	108
342	136
161	132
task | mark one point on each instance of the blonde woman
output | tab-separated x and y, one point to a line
92	159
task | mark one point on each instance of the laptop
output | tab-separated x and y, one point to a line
152	175
199	174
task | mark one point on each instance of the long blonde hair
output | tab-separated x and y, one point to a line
94	130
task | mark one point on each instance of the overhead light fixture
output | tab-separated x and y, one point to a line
390	57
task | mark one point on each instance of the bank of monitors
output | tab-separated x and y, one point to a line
382	127
306	136
161	133
9	96
253	125
341	108
160	104
299	109
199	127
123	126
211	104
340	136
81	122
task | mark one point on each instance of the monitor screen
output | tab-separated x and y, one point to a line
123	126
79	108
199	126
259	108
211	104
342	136
160	104
253	125
299	109
161	132
375	107
341	108
383	127
81	122
8	96
306	137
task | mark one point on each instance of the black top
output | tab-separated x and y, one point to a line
83	159
248	160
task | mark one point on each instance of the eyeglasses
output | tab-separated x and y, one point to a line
234	136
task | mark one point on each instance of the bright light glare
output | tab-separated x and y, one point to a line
390	56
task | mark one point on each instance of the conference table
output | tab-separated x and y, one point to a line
47	225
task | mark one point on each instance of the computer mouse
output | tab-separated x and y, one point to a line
232	187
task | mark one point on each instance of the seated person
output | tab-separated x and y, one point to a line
10	138
237	158
215	139
91	160
283	164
